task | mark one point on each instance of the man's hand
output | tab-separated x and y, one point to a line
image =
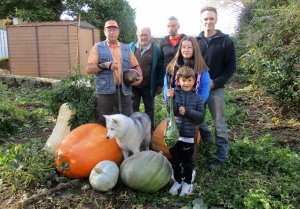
212	85
113	66
138	82
159	90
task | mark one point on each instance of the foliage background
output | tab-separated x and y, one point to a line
268	49
96	12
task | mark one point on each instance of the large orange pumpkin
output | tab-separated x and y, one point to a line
158	142
83	148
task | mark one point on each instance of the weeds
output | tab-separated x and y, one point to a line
260	172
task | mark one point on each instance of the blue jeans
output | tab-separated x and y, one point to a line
216	105
148	101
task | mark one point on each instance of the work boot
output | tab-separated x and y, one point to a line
217	164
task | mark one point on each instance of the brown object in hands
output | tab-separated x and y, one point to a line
130	76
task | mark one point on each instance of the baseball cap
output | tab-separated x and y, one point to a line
111	23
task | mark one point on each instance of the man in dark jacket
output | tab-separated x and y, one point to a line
148	55
169	44
218	52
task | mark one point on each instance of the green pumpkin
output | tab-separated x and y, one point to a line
104	176
146	171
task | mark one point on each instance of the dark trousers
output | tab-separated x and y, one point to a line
148	100
182	157
107	102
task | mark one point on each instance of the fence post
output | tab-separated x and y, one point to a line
3	44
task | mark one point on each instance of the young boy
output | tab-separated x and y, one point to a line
188	111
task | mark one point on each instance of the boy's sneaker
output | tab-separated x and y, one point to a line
187	189
174	189
217	164
172	176
193	175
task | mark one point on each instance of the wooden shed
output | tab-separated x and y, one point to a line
50	49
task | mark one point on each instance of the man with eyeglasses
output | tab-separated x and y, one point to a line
108	60
147	53
169	44
218	52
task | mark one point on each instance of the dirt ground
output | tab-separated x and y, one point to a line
262	117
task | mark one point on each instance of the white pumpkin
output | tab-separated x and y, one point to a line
104	176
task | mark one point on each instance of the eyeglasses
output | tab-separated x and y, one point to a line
112	29
187	47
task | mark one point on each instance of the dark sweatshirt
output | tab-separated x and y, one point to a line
219	56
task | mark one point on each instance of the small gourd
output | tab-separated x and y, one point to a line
104	176
146	171
171	133
158	142
61	128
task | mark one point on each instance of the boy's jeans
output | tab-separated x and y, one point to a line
216	105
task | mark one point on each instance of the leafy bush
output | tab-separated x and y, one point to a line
268	50
79	91
11	116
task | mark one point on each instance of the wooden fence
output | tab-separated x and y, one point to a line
3	44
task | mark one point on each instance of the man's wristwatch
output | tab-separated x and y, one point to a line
101	66
110	65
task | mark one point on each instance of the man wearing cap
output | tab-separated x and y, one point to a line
108	60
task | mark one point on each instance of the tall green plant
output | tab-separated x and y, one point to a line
269	50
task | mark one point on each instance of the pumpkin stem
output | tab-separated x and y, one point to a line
98	170
63	166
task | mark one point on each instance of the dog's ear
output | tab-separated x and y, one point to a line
106	117
115	120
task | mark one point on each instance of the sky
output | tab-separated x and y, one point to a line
154	13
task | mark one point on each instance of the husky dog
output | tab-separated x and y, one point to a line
129	132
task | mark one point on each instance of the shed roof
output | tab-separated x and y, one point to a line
83	24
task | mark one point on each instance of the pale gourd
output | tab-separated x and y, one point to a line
146	171
104	176
61	128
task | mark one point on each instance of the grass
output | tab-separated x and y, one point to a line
260	173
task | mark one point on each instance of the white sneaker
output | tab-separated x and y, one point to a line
187	189
174	189
172	176
193	175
